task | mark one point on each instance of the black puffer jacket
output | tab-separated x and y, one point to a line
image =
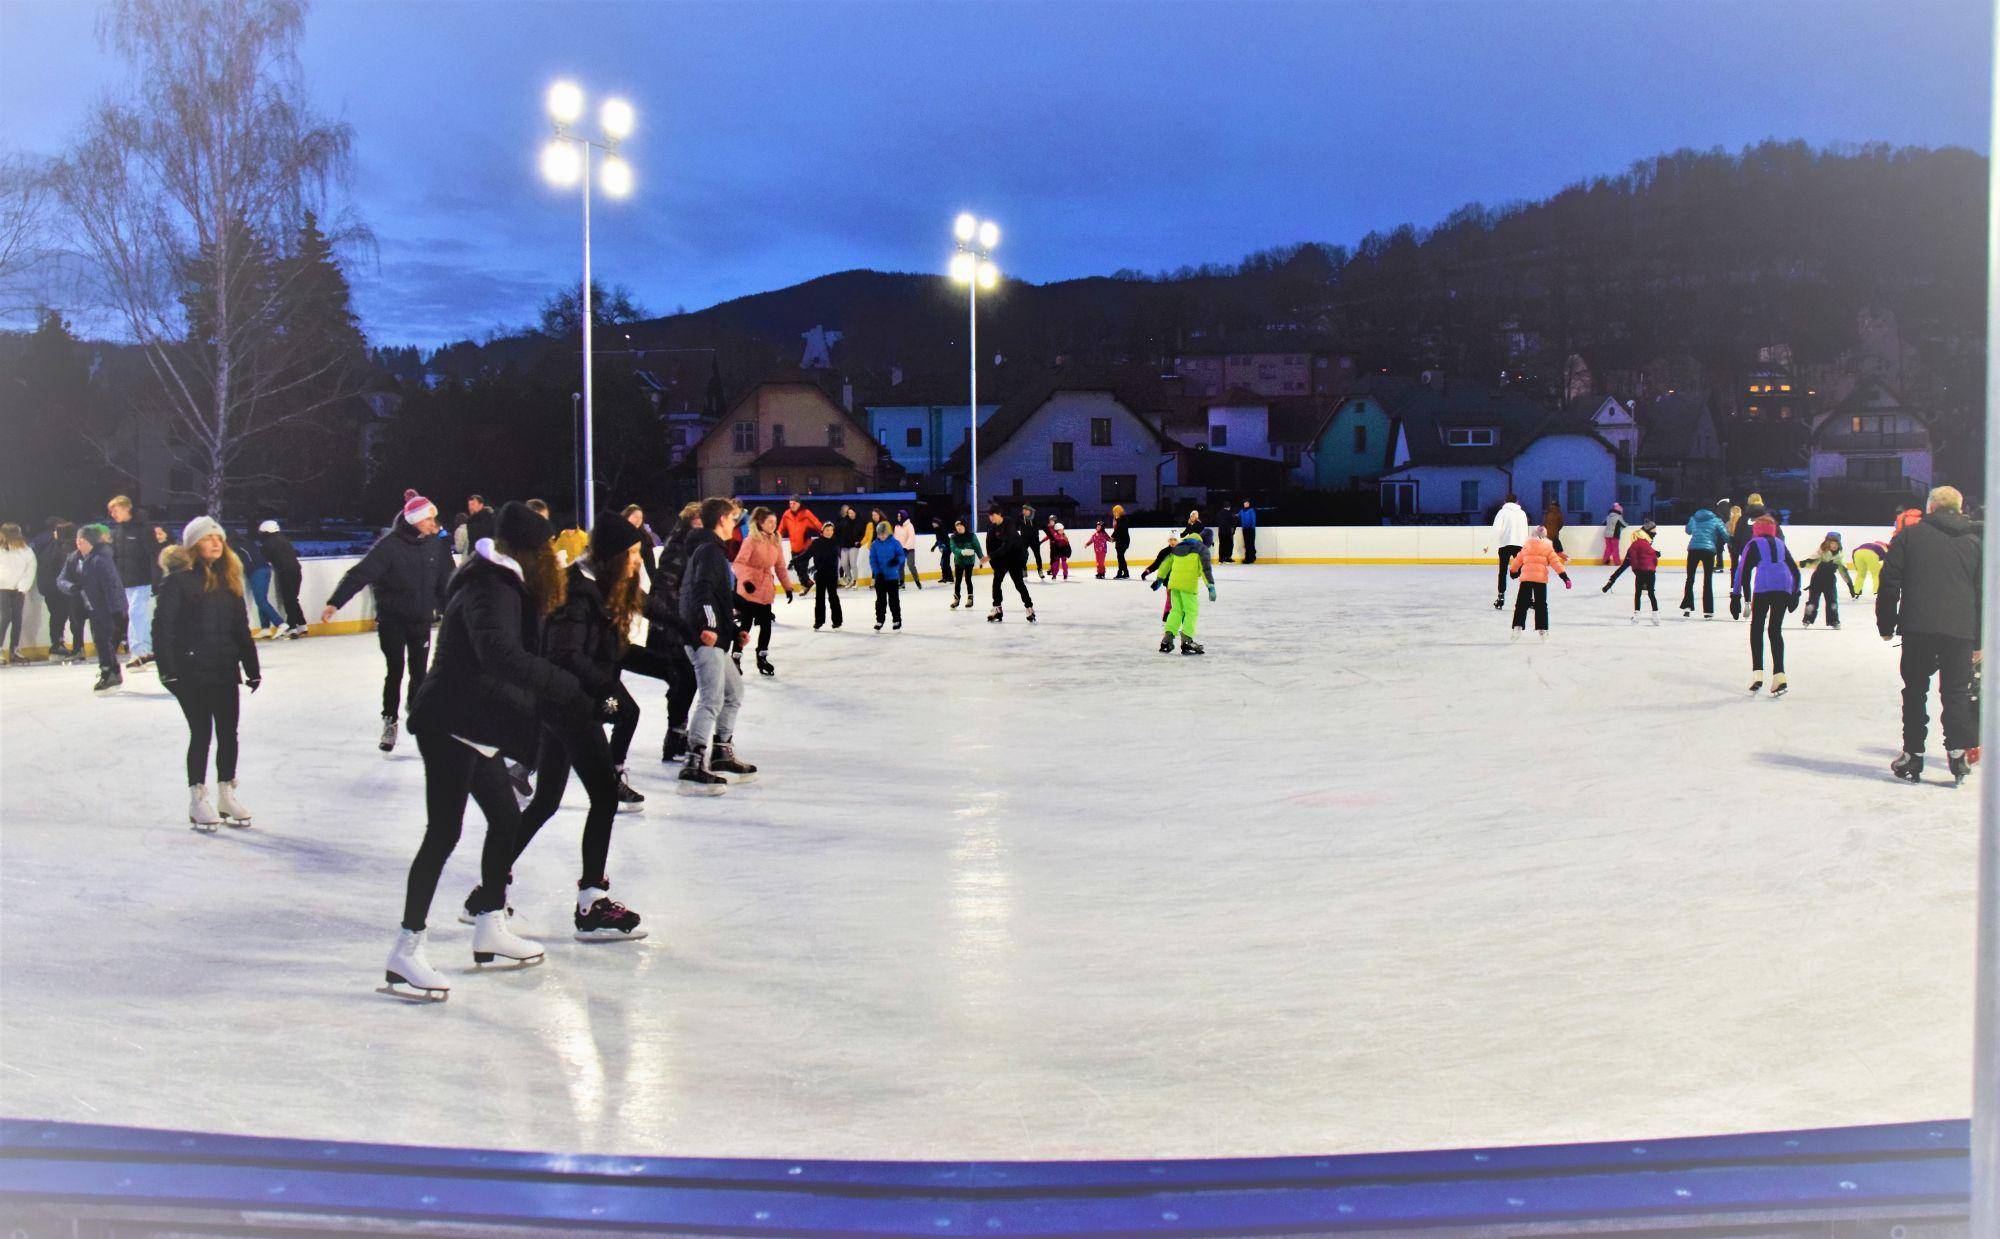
1005	546
201	635
283	559
1930	580
485	685
133	549
708	591
408	572
578	637
663	592
481	524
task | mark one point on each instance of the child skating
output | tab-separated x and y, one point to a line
1770	575
1825	564
1186	569
1644	561
886	561
1099	543
1058	550
1868	565
964	551
1531	567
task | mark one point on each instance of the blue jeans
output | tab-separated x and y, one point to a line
260	582
139	631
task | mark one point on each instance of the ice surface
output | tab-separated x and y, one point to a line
1367	876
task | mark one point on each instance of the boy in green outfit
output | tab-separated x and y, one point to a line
1186	568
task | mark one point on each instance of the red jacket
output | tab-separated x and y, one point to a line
798	528
1642	556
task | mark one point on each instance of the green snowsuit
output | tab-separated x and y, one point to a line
1187	567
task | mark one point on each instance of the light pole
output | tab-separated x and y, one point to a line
973	267
565	160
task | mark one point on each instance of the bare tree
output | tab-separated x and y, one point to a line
186	196
24	219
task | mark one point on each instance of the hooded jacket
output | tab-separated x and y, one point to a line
964	548
1510	525
408	571
1536	560
97	582
708	590
1641	555
1765	566
283	559
1004	545
1706	531
1930	580
885	560
201	635
824	552
486	685
1187	566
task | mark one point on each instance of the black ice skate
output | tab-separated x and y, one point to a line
629	801
695	778
108	681
723	761
388	740
517	777
1961	766
1908	766
675	746
1031	615
996	616
1190	646
599	918
764	666
1167	643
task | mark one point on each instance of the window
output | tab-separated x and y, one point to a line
1360	439
1292	456
836	435
1468	496
1118	487
743	484
1628	494
1784	387
1469	436
1576	497
1100	432
1552	494
777	436
883	435
812	484
913	437
1218	435
743	436
1017	486
1399	498
1063	457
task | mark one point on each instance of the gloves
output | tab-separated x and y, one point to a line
1211	593
255	682
1735	607
788	596
1513	574
1567	583
1158	584
1793	604
1854	594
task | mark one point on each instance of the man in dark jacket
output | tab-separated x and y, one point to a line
708	612
98	585
1930	593
408	568
133	550
479	521
52	548
666	636
286	575
824	556
1007	552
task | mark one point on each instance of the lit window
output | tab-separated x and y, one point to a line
1784	387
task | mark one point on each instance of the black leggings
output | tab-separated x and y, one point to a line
65	612
1704	560
287	586
624	725
826	593
1532	595
760	615
1012	572
888	600
1507	554
585	753
1121	548
12	601
401	639
454	770
1767	611
680	685
1642	587
209	708
961	578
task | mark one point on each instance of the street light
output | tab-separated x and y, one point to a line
973	267
566	159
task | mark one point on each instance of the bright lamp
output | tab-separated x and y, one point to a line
965	227
989	275
561	164
989	235
963	267
616	117
565	102
617	176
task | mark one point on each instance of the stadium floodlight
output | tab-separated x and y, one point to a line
972	265
565	102
616	119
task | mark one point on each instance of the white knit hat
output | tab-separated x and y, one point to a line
268	527
200	527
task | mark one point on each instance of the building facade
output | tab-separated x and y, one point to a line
1869	450
1078	442
785	437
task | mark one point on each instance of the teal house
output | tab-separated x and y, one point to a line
1357	442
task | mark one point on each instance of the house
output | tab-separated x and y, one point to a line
1265	428
1869	452
1460	450
921	422
1615	424
784	436
1069	436
1679	449
1354	443
1264	372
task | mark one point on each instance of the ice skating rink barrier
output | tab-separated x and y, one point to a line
1287	544
1901	1180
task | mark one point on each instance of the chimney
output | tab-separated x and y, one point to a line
896	375
847	394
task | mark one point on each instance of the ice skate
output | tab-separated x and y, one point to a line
495	944
1190	647
1031	615
675	746
1961	766
1756	683
878	626
1908	766
1635	617
995	616
629	801
599	918
1167	643
724	761
201	815
1515	634
466	916
1500	602
1778	685
764	666
1812	613
696	780
295	632
517	778
232	810
1656	619
108	682
388	740
409	975
954	602
1541	634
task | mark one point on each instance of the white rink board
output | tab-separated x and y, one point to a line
1366	877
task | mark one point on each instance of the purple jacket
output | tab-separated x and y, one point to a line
1768	565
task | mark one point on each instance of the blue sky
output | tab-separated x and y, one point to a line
778	142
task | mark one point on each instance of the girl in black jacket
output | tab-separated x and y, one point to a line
664	633
486	696
201	639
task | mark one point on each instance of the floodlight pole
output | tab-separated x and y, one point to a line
972	333
587	502
1986	985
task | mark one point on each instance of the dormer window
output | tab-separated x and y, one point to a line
1469	436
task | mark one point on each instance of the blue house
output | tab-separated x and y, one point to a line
921	422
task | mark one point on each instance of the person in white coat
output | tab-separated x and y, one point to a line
906	537
1510	534
17	577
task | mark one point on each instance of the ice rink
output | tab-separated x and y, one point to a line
1368	876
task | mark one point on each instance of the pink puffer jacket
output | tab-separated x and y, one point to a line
1537	560
760	566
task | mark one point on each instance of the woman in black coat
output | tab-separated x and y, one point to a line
201	639
485	697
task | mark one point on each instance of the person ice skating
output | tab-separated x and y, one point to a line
760	571
481	702
1531	566
53	548
202	641
798	525
1931	593
1031	537
1823	566
1732	520
1552	520
1510	534
408	568
666	635
1007	552
906	537
1246	524
1867	563
1197	527
1644	561
964	558
97	586
257	586
941	546
1058	550
1185	568
287	576
1099	542
17	577
1121	538
708	610
1740	533
1225	535
826	552
134	551
886	560
1614	529
1769	576
1707	535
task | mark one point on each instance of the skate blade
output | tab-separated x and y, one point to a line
609	935
702	789
627	807
202	828
738	780
397	987
238	823
493	961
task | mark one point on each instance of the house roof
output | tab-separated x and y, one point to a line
789	457
799	379
1390	391
1015	411
1667	425
1516	420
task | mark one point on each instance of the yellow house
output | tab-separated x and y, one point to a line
785	438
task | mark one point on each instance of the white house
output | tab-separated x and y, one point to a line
1616	425
1069	438
1870	448
1459	451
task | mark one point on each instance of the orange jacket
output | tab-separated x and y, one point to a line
798	528
760	565
1537	559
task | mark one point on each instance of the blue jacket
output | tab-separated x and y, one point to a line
1247	518
1706	532
885	559
97	580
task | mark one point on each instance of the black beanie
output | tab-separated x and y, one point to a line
521	527
612	537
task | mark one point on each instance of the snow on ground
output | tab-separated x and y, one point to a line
1366	877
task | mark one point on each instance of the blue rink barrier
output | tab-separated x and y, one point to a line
55	1175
